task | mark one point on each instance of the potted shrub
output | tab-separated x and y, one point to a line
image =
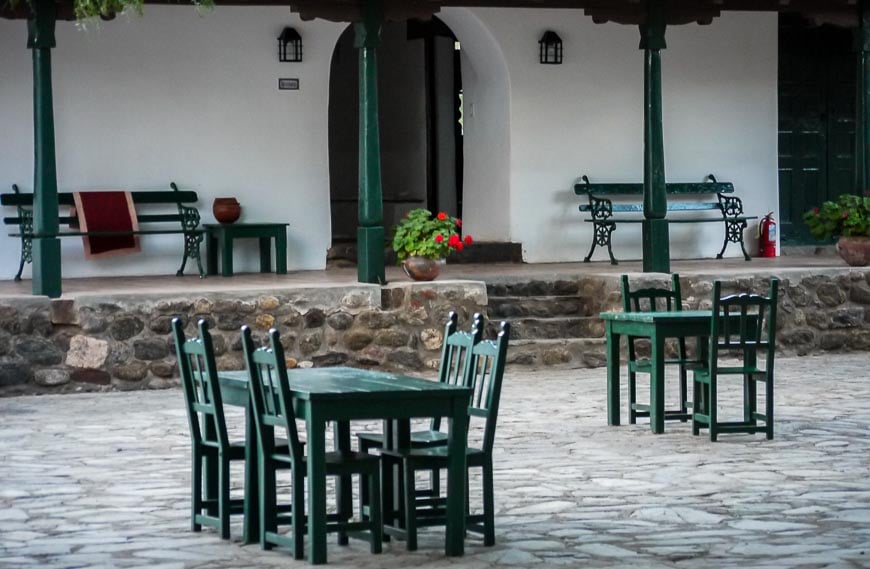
422	241
849	219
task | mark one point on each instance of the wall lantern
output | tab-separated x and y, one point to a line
551	48
289	45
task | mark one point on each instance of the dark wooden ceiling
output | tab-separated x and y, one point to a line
838	12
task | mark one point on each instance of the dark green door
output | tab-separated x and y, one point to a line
816	121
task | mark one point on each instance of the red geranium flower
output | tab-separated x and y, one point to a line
815	210
441	216
439	238
459	246
454	240
458	223
468	240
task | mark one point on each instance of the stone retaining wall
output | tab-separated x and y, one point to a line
125	342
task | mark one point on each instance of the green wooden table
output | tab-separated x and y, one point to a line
220	237
657	326
321	395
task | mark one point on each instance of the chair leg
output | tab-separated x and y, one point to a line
711	408
435	483
376	522
195	489
268	506
488	506
684	389
388	507
632	398
410	501
224	495
297	516
697	388
768	405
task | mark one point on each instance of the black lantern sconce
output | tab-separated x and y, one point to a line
550	46
289	46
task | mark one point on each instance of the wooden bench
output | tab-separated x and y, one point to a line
187	217
602	209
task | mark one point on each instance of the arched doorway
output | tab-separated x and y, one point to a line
419	92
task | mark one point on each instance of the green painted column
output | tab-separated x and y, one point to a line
46	250
656	246
862	101
370	233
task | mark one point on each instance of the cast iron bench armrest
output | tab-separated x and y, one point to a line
186	216
602	209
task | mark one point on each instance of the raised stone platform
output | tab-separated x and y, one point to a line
114	333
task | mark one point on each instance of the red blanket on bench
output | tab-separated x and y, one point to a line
106	212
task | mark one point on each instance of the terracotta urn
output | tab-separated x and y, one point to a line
226	210
854	250
421	268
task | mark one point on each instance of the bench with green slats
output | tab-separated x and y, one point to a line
186	216
605	215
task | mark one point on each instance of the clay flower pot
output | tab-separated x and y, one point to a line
854	250
421	268
226	210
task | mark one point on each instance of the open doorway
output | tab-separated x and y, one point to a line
420	119
816	120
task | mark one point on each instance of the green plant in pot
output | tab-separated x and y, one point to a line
422	241
849	219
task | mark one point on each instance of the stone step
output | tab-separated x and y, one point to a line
572	353
533	288
552	328
540	306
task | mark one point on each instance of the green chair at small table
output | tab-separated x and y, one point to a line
654	299
744	325
487	369
272	401
210	444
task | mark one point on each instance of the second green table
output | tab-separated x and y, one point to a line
221	237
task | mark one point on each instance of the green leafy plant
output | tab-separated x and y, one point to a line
849	216
421	234
91	9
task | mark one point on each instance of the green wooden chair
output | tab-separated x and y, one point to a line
488	363
272	401
210	444
655	299
746	328
455	369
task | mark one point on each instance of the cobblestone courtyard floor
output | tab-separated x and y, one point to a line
102	480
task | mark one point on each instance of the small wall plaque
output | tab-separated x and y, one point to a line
288	84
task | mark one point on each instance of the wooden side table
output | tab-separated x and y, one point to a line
221	237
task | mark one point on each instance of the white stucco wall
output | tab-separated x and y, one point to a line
175	96
585	117
178	96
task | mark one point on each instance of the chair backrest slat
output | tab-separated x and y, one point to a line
270	392
202	395
745	323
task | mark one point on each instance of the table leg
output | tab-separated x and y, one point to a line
457	473
265	254
211	247
251	531
281	252
226	243
612	376
344	487
657	383
316	429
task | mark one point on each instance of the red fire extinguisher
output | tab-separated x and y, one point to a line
767	236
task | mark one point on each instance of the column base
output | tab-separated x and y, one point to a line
370	255
656	246
46	267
